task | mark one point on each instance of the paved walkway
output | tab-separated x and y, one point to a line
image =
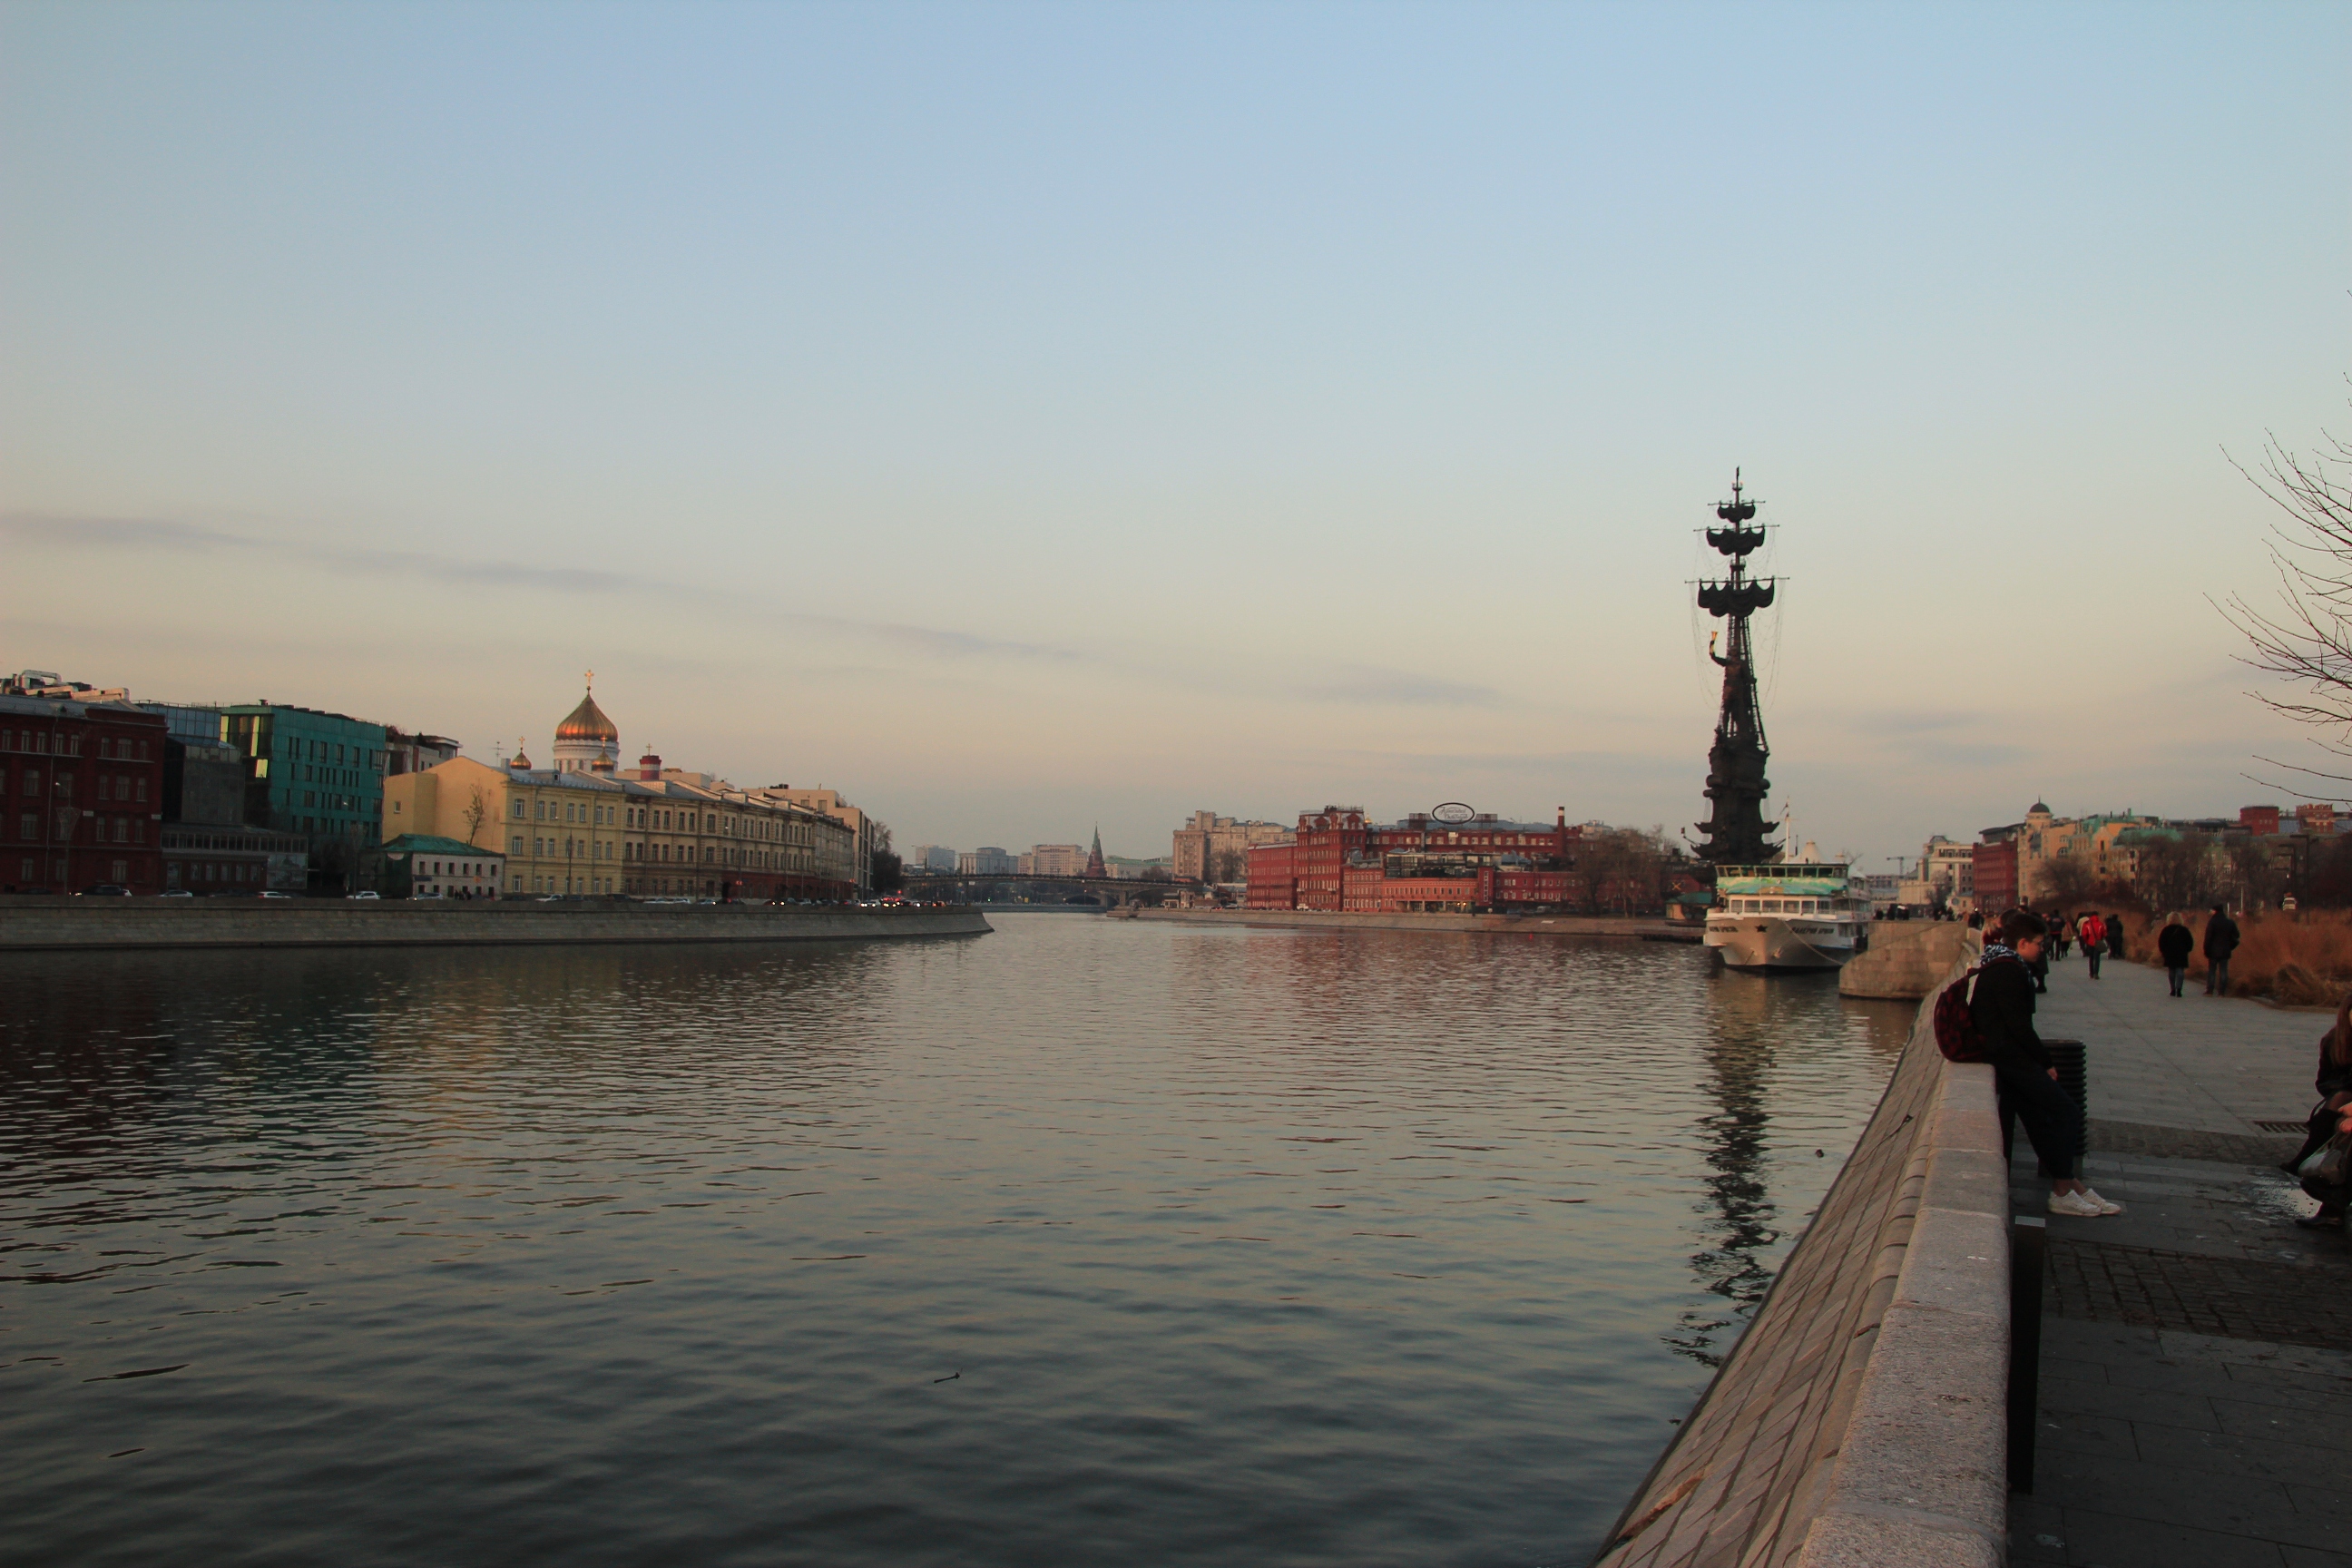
2196	1383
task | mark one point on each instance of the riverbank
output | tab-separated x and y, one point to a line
1636	927
1861	1418
57	925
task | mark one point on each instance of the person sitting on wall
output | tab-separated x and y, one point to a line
2333	1084
2001	1004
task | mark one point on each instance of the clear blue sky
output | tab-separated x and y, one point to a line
1023	417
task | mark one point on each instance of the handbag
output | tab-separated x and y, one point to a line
2324	1176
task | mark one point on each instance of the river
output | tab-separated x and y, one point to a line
1083	1242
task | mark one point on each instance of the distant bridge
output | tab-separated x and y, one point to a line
1121	888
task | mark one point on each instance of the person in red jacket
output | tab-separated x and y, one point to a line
2001	1005
2093	932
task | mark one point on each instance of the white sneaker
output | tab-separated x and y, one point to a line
2076	1203
2105	1207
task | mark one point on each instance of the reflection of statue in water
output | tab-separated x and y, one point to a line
1738	1208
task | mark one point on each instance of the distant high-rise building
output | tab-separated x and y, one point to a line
1216	848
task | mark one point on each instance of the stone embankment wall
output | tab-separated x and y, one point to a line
1861	1419
1518	925
58	924
1906	959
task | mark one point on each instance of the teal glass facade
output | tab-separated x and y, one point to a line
317	774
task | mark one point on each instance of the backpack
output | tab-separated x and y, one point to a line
1955	1026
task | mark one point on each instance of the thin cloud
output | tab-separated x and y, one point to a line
156	534
1366	684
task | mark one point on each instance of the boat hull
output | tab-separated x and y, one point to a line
1779	944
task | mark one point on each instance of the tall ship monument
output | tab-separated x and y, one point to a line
1772	910
1736	784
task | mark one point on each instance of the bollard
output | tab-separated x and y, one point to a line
2028	1236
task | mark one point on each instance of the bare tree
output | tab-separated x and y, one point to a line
2179	873
2260	879
477	811
1228	866
2306	639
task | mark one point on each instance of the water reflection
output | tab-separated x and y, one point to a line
1296	1248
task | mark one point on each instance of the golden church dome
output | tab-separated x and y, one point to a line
587	722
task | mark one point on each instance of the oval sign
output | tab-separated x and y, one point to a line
1453	814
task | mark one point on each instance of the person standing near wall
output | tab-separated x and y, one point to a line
2002	1005
2220	941
2114	923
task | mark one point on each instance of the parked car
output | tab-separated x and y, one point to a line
106	891
274	893
368	893
175	893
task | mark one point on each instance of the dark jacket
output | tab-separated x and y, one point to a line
2333	1077
2173	944
2220	937
2003	1006
2116	937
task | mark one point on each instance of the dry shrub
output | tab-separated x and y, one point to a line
2303	959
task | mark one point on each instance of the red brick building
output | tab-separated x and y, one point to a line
83	787
1338	862
1996	876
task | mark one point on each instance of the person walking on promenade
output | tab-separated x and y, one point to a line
2002	1005
2333	1084
2220	941
2094	931
2114	924
2174	943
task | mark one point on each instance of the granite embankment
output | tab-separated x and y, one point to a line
49	924
1861	1419
1905	959
1646	927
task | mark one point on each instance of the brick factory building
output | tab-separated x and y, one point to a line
83	785
1338	862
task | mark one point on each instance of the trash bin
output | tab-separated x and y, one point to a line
2071	1058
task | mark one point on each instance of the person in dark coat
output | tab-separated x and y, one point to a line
2220	941
2000	1003
2114	934
2174	943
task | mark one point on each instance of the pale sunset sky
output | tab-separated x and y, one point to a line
1028	417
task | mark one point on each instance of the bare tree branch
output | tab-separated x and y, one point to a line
2307	640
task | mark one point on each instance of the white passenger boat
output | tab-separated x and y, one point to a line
1788	915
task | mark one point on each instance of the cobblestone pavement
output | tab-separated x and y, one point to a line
2234	1298
2196	1378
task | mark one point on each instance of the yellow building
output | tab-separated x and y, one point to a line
561	832
584	827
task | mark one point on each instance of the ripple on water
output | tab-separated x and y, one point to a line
1085	1241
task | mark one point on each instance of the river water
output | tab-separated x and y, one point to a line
1082	1242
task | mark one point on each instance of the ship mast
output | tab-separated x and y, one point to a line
1736	784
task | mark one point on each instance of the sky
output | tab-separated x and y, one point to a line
1027	417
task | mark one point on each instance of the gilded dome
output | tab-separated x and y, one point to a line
587	722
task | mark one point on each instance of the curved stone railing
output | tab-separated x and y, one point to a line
1861	1419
